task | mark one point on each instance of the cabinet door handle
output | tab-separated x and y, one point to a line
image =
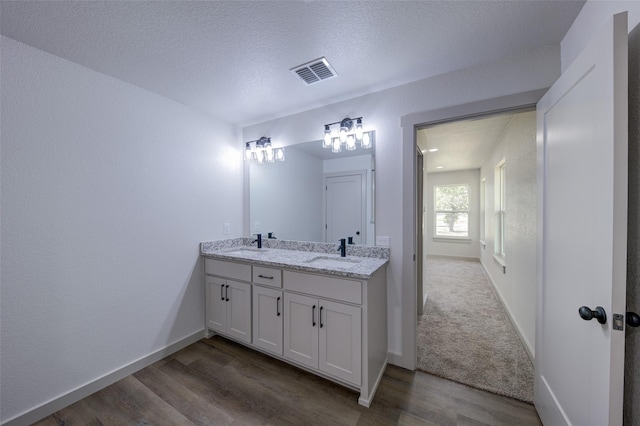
265	277
321	308
221	292
313	316
227	293
278	306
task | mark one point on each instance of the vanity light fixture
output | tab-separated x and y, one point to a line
347	134
262	151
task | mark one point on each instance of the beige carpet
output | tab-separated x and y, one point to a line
465	335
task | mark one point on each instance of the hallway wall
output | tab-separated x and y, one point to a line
516	285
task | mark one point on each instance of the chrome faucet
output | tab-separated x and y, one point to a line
342	248
258	240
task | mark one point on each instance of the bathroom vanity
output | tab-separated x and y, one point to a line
303	304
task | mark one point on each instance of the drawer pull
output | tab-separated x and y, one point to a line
321	308
227	293
221	292
313	316
278	306
265	277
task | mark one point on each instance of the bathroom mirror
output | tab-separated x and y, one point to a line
315	194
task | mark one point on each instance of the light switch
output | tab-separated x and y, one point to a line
382	241
226	229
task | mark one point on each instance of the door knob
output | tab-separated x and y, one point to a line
588	314
633	319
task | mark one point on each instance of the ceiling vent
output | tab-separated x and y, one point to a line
315	71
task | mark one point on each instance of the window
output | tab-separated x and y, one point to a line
451	211
500	209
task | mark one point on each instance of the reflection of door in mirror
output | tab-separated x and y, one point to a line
345	201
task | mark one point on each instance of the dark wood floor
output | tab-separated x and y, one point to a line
218	382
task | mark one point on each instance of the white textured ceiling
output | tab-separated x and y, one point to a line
462	145
231	59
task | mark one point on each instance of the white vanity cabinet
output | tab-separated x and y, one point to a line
268	317
324	335
333	326
228	309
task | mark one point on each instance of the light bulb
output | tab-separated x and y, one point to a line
343	134
247	151
279	154
351	143
337	146
268	152
359	129
366	141
327	136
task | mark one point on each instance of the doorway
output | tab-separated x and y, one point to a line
478	323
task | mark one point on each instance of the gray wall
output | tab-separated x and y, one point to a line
516	286
107	191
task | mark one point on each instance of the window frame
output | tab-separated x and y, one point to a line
436	211
500	210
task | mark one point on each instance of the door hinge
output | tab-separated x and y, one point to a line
414	257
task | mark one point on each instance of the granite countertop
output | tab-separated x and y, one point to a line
356	267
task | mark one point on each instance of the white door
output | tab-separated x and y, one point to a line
582	174
217	309
267	319
239	310
301	329
340	348
345	203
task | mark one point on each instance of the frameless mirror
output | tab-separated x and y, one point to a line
315	195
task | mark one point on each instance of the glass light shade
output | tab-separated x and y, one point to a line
260	156
359	130
337	146
351	143
247	152
279	154
343	134
327	137
268	153
366	141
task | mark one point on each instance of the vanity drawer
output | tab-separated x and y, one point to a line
237	271
267	276
324	286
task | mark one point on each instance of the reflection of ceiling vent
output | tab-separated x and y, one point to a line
315	71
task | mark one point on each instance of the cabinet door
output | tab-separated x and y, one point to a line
267	319
216	305
301	329
340	347
239	310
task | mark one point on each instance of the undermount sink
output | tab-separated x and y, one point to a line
332	262
243	251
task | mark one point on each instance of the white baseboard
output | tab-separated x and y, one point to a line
395	358
366	402
516	326
48	408
452	256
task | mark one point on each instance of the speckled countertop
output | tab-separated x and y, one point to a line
361	262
